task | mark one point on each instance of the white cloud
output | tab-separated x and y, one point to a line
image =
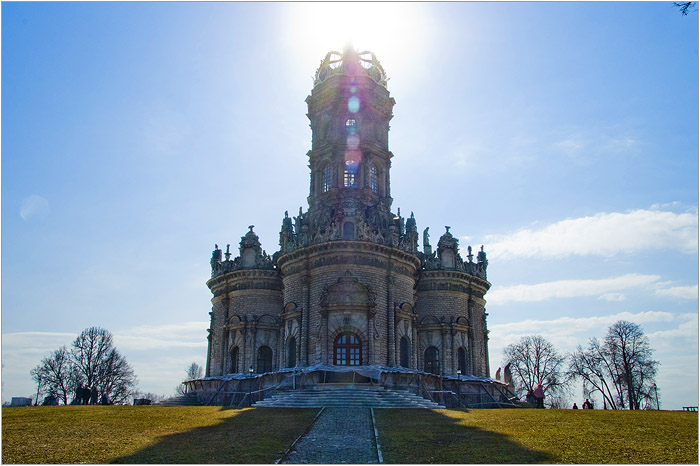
603	234
34	207
184	335
684	292
605	288
614	297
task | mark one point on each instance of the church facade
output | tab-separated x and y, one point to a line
349	285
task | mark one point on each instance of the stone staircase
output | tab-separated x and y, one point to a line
188	399
347	396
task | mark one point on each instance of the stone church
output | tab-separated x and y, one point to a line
349	285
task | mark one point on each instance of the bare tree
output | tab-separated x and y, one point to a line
592	366
620	367
194	371
685	7
533	361
99	363
55	375
631	356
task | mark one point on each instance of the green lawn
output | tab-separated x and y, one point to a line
537	436
149	434
157	434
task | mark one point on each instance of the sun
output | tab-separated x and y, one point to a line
395	32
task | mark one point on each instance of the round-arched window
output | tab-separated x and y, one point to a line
432	360
264	359
347	350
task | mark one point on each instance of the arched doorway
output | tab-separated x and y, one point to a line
292	352
462	360
264	359
234	360
404	352
432	360
347	350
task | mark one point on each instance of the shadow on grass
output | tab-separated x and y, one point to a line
428	436
250	436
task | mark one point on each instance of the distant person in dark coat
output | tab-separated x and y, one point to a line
86	395
78	399
539	394
575	407
93	395
104	400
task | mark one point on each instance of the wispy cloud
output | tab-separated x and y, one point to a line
564	328
684	292
605	288
603	234
34	207
184	335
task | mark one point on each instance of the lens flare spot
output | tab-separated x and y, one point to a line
353	142
352	160
353	89
353	104
351	126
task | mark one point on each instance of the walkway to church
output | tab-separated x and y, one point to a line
339	436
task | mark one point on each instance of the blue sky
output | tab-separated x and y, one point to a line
562	136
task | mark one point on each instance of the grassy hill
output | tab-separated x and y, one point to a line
538	436
157	434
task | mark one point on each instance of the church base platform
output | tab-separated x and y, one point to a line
452	392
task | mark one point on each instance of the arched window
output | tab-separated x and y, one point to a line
234	360
292	352
350	174
351	126
373	179
347	350
264	359
348	230
326	177
432	360
462	360
404	352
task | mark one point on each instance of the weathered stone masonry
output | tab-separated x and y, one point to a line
349	285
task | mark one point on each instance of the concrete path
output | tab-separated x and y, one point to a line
340	436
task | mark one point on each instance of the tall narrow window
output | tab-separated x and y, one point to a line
326	178
405	351
373	179
432	360
462	360
348	230
264	359
292	352
234	360
350	175
351	126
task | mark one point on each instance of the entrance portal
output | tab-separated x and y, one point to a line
347	350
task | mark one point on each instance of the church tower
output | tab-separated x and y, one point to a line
349	110
349	286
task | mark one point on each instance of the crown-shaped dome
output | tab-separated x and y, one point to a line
351	63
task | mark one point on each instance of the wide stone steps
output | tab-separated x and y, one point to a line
188	399
349	397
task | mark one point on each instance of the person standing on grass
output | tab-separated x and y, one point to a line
93	395
86	395
539	395
576	407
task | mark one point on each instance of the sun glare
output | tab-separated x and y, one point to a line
394	32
